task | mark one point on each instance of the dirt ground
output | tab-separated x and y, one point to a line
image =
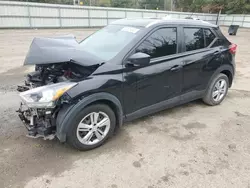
193	145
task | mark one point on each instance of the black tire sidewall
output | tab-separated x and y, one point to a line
71	134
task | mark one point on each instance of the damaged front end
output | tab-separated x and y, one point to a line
57	60
39	122
60	64
40	106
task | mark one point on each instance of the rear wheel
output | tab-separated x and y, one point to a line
217	90
91	127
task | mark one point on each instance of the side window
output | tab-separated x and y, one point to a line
209	36
194	38
161	43
219	42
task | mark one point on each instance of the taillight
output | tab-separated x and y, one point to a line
233	48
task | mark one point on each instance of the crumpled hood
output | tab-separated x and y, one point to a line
58	50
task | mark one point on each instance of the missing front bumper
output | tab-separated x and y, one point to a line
39	122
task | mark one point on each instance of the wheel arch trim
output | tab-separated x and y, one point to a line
221	69
66	115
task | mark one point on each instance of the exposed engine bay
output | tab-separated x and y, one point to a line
59	64
55	73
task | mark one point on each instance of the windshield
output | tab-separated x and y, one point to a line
109	41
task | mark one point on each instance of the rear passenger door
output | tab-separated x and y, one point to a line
198	55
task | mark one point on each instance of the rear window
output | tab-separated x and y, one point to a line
194	38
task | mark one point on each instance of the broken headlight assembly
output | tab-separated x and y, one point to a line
45	96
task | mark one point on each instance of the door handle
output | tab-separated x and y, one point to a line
216	52
176	67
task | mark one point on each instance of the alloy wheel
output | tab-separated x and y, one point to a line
93	128
220	89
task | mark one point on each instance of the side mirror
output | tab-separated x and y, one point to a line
139	59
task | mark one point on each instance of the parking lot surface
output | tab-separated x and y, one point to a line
192	145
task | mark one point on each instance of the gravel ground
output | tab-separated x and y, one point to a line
188	146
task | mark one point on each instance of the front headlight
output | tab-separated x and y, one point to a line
45	96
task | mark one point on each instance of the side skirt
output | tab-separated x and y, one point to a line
182	99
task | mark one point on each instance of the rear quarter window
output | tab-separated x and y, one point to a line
218	42
222	40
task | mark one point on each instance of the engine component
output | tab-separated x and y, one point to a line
47	74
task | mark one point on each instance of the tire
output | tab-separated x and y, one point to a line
212	89
77	135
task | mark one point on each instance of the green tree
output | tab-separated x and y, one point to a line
104	3
121	3
238	6
152	4
230	6
184	5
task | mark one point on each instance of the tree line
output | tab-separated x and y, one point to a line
206	6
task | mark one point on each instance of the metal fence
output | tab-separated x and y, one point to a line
38	15
235	19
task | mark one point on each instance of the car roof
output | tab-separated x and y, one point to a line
147	22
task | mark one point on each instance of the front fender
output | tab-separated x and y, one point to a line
68	112
108	83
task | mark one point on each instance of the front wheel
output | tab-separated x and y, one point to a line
91	127
217	90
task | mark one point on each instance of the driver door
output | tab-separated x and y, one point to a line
147	86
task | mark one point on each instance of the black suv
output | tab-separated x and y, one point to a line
80	92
